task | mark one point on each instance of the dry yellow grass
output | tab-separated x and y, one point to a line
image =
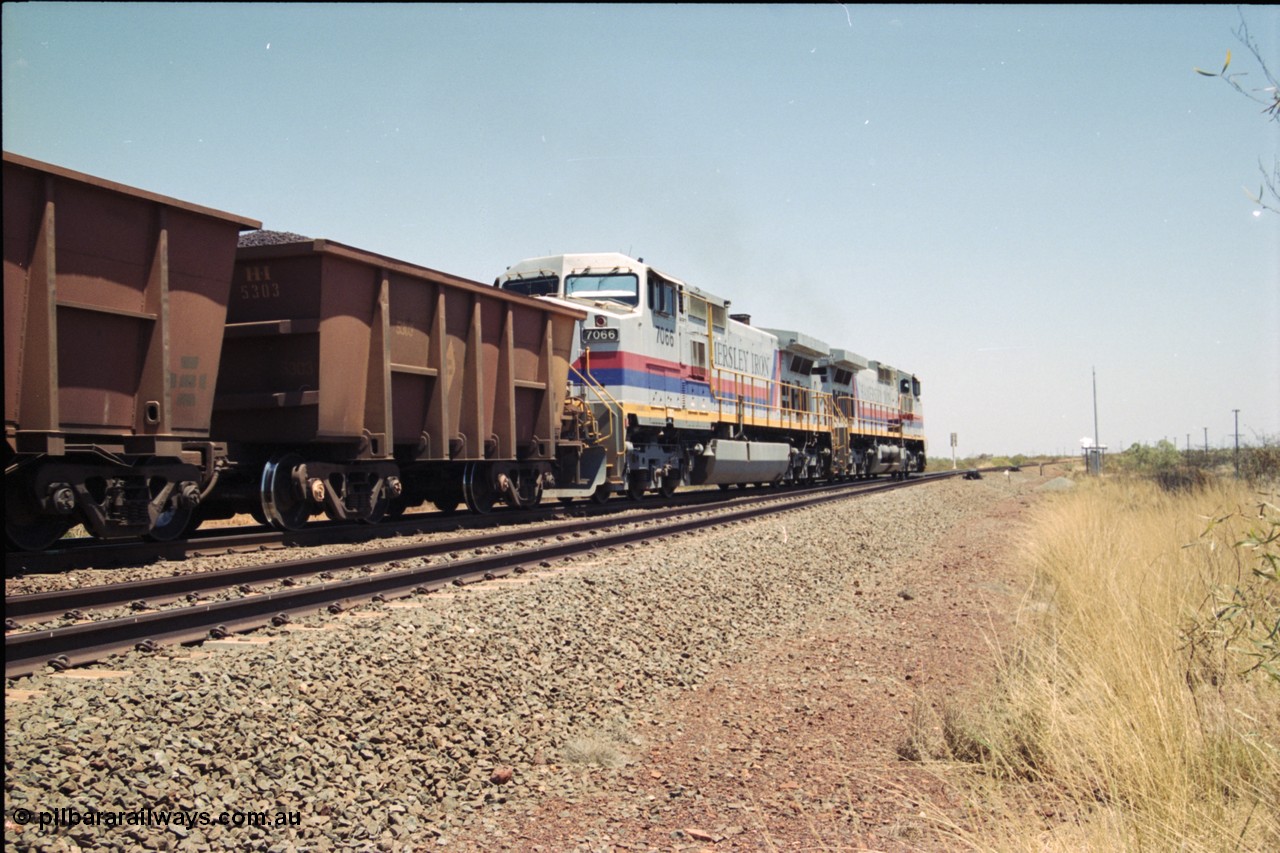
1138	711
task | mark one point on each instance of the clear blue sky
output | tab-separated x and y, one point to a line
998	198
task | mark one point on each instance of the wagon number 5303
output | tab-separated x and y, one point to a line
258	283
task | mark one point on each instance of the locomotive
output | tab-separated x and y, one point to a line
161	370
692	394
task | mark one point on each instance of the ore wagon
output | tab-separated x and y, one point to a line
357	385
114	302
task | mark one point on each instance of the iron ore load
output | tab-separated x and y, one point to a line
162	368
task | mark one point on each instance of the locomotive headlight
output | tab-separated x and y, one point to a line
601	320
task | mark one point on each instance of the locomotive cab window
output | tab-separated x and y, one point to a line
662	296
548	285
614	287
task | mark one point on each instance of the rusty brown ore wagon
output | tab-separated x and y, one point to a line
114	303
358	385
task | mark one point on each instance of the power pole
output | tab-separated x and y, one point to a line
1097	439
1237	414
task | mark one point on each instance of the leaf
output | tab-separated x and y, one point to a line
1228	62
1205	73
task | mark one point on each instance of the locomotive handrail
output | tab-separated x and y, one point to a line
825	412
606	399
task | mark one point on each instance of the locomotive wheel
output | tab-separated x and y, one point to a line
635	487
476	488
668	486
601	495
282	507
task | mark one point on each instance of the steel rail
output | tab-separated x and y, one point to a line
42	606
27	652
95	553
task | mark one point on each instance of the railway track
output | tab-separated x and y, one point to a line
88	553
407	569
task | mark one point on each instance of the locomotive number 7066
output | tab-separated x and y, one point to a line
594	336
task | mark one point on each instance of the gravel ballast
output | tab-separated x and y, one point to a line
412	724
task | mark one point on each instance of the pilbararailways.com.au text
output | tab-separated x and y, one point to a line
68	818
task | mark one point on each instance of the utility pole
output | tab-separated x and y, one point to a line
1097	439
1237	414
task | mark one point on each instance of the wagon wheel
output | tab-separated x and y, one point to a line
601	495
526	492
447	501
194	523
282	506
379	507
476	488
26	528
405	501
174	521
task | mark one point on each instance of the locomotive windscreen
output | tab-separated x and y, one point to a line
616	287
547	285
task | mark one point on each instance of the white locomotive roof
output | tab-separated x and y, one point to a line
599	262
565	264
799	342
